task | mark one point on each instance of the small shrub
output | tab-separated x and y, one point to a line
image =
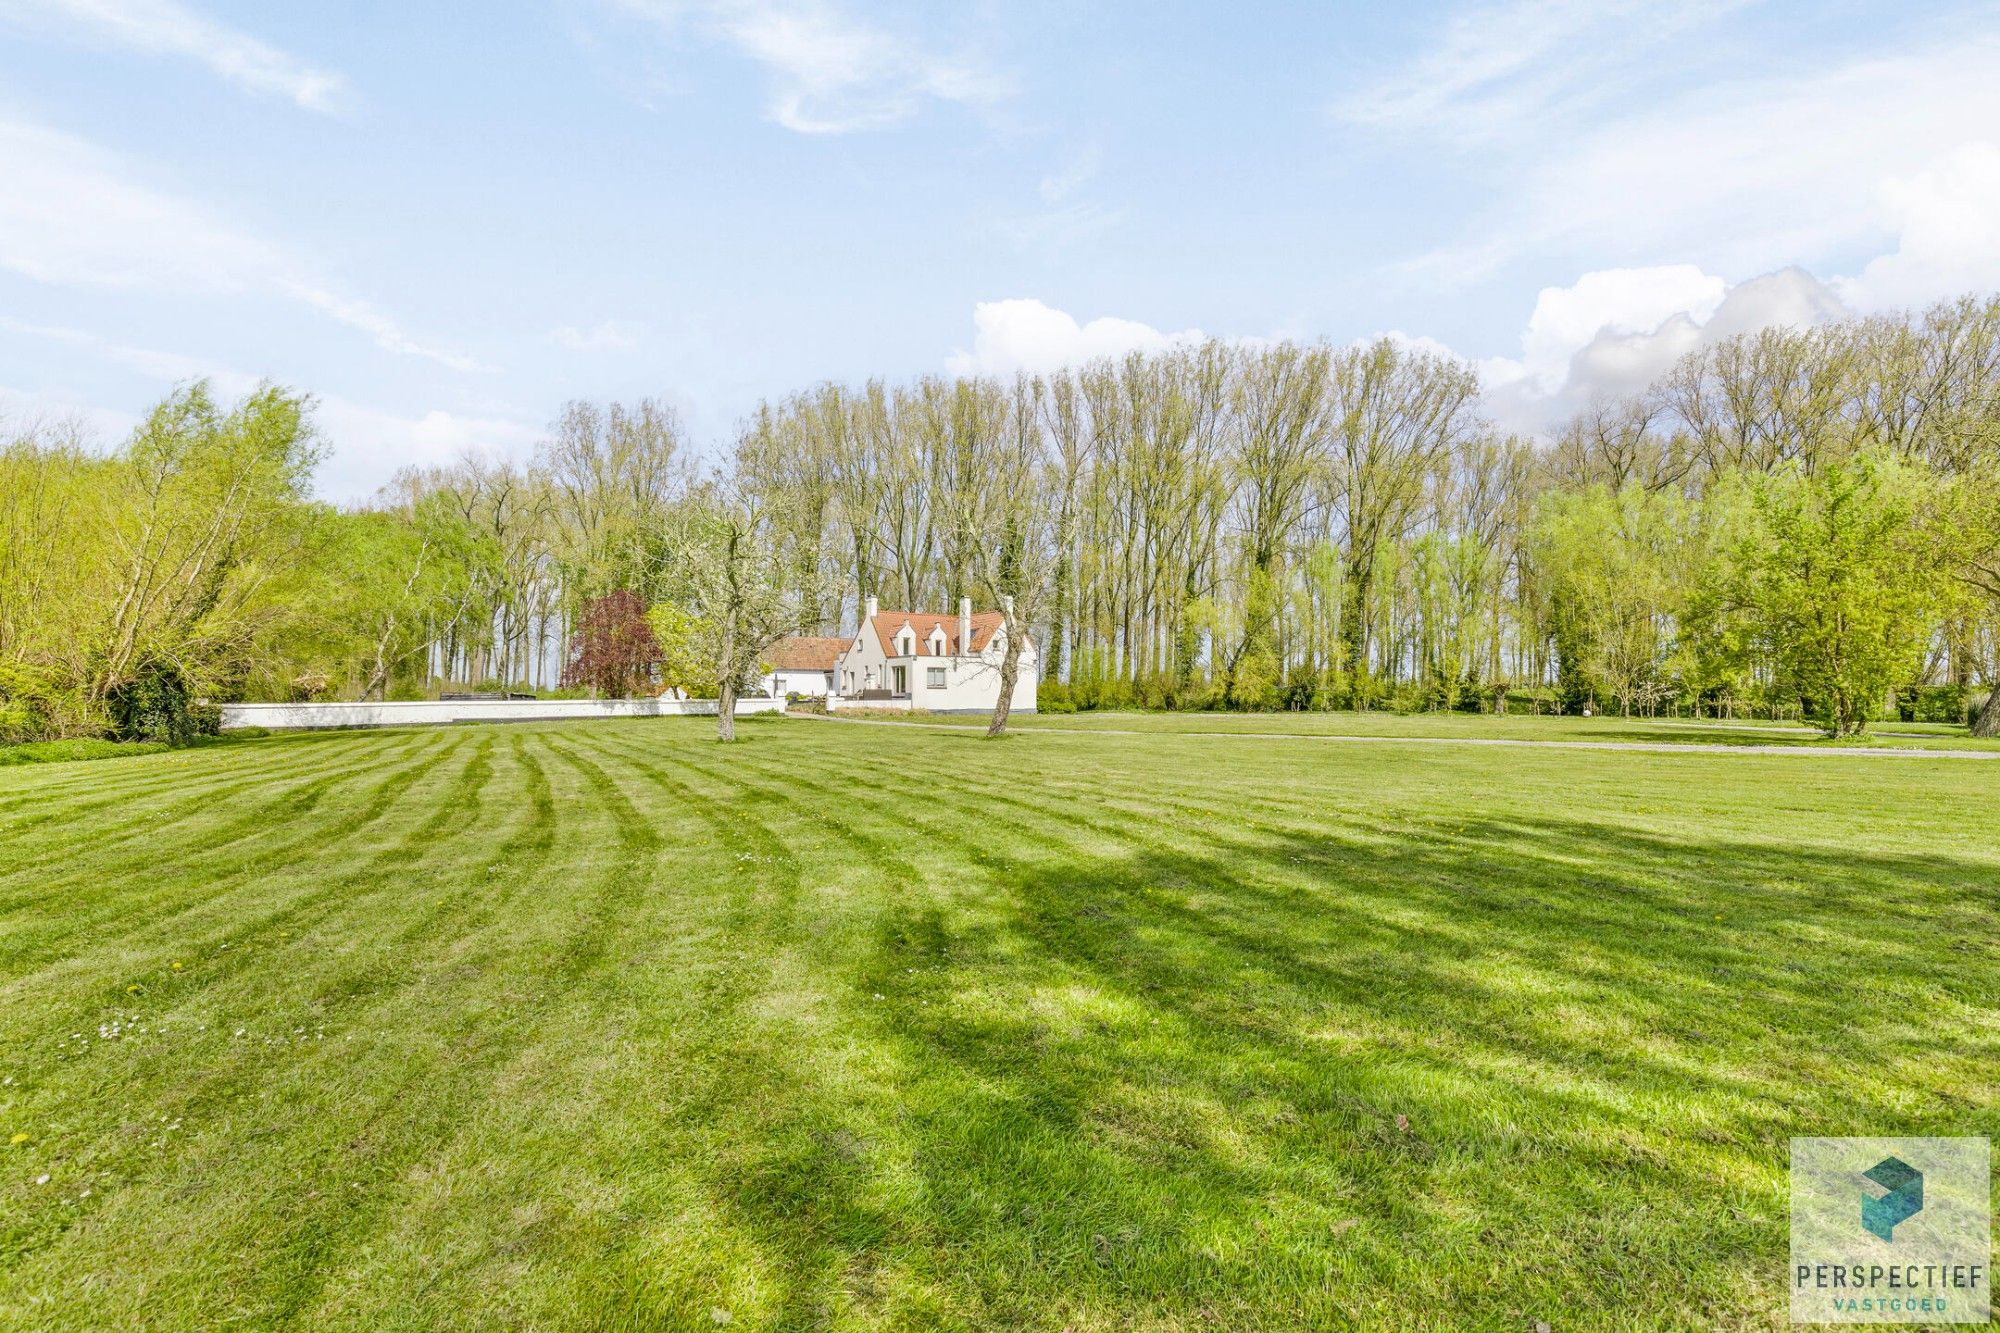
1053	696
1254	687
1409	697
69	751
1934	703
1367	692
156	705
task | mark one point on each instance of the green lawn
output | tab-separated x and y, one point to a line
1649	731
602	1025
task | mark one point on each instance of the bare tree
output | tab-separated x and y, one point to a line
1001	526
728	562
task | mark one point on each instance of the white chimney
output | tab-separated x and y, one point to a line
870	609
965	626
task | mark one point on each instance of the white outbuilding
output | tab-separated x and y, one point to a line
933	662
801	666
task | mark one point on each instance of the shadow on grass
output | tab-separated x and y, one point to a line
1477	1073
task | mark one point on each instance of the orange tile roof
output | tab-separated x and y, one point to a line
887	623
803	653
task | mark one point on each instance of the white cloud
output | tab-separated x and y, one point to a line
1421	343
1948	217
1611	335
72	214
1749	175
612	335
1614	332
1027	335
165	27
830	73
1496	69
1611	301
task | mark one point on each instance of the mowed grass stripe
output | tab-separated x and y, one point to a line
143	826
152	841
1660	901
28	783
915	774
455	946
623	1027
961	866
1206	929
738	1092
167	788
248	846
323	1000
217	929
1011	1120
172	771
759	858
580	1015
195	1008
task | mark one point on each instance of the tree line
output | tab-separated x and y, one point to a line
1789	523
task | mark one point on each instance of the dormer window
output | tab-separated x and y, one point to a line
937	643
906	644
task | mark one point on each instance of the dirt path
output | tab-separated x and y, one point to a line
1651	747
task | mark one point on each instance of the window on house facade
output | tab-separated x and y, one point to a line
934	677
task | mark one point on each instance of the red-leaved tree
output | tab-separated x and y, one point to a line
613	650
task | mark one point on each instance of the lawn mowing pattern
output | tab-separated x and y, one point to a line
1886	736
603	1025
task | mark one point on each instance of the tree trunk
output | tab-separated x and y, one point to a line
725	694
725	711
1988	721
1010	672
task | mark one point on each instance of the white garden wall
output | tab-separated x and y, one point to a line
431	712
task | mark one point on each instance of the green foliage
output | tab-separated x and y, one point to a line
1096	684
63	752
36	703
1254	684
1053	696
1839	579
1285	528
82	748
1611	561
1934	703
132	581
686	645
156	704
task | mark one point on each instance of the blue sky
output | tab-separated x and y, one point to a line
445	219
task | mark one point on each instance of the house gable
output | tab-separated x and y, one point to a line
889	625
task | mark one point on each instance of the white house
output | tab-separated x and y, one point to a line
801	665
939	663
